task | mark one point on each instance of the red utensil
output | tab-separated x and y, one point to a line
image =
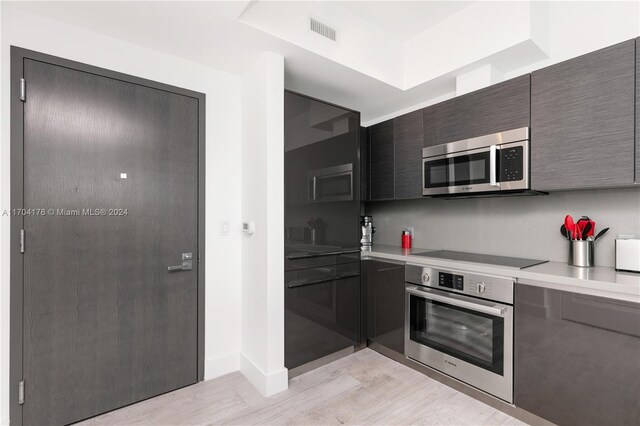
587	226
571	226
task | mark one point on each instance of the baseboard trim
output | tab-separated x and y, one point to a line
221	365
267	384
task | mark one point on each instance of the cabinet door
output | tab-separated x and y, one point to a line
500	107
637	175
367	277
364	165
385	304
577	357
582	118
408	140
382	163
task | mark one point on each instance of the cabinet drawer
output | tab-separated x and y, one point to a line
319	275
296	261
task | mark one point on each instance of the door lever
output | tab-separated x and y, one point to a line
187	264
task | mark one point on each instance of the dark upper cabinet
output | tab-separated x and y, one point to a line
384	286
582	119
321	172
381	162
503	106
364	165
577	357
408	130
637	174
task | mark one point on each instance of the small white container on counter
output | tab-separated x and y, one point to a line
627	253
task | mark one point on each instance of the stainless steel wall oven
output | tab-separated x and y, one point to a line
461	324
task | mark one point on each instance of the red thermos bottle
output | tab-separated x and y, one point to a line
406	239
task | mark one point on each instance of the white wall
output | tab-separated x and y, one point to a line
578	27
263	203
223	155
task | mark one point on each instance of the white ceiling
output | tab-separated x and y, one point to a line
403	19
390	56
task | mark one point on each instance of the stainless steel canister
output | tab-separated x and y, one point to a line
581	253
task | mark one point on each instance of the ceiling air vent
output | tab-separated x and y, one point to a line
323	29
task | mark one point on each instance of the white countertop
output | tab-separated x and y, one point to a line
599	281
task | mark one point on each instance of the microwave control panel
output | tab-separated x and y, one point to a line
511	164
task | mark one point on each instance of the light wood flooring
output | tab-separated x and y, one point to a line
364	388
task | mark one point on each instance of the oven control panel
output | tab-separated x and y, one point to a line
451	281
490	287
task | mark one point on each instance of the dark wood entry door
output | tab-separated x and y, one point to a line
114	166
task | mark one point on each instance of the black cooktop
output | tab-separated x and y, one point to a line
508	262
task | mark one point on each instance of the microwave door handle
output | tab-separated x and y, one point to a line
493	180
490	310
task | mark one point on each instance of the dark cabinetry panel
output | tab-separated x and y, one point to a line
381	161
408	137
364	165
497	108
384	283
582	118
577	357
637	174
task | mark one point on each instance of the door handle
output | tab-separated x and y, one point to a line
187	264
493	164
494	310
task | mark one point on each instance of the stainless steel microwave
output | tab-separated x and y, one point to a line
331	184
486	164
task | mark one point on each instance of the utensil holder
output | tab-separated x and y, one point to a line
581	253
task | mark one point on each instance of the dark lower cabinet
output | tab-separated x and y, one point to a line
384	286
322	312
577	357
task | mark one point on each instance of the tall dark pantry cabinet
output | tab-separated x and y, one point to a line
322	234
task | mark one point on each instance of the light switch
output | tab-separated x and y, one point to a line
248	227
225	228
123	175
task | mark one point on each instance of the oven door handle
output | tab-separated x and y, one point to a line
494	310
493	179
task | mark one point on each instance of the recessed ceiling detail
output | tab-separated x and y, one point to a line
389	57
386	41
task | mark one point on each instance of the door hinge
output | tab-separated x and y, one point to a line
22	241
21	392
23	90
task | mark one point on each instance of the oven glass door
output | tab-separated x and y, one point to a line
475	337
471	168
